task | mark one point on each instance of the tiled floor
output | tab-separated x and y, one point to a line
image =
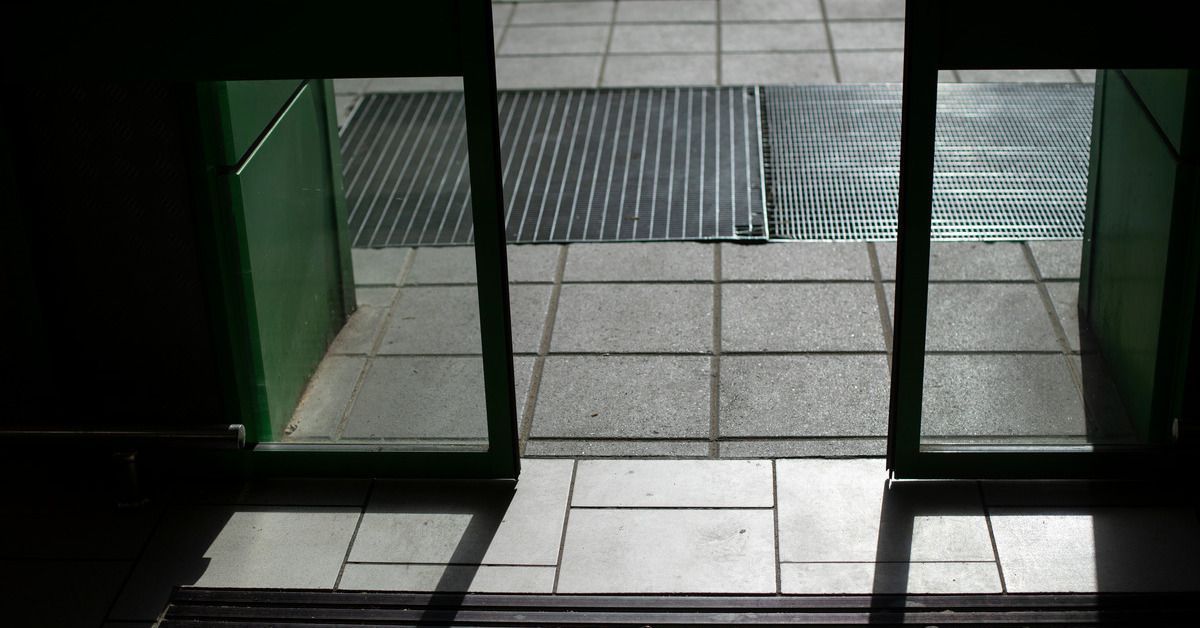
766	527
707	350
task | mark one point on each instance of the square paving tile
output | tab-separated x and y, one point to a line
552	40
326	399
773	37
448	578
800	317
776	67
803	448
864	9
562	12
988	317
1017	76
795	261
668	551
623	396
641	70
391	84
673	449
552	72
375	296
1097	549
649	38
639	261
986	395
421	398
446	320
868	35
674	484
357	336
1065	297
863	66
667	11
238	547
964	261
844	511
468	522
889	578
804	395
442	264
377	266
532	262
769	10
634	318
1058	259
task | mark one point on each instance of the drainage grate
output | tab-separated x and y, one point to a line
578	165
1011	161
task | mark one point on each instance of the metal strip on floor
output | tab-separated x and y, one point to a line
578	165
1011	161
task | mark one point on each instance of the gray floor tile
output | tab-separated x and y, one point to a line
446	320
986	395
776	68
623	396
357	336
63	594
375	297
468	522
634	318
800	317
857	66
659	70
377	266
651	38
326	399
639	261
1098	549
617	448
550	40
795	261
304	492
760	10
532	262
442	264
350	86
958	261
863	9
803	448
548	72
1017	76
442	398
674	484
668	551
239	547
1065	296
1057	259
804	395
667	11
988	317
889	578
844	511
501	12
868	35
1087	76
1050	493
448	578
416	84
563	12
777	37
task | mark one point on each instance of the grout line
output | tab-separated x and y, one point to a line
562	540
354	536
714	375
775	513
885	313
987	517
612	25
837	73
535	378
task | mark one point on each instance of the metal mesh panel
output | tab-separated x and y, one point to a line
578	165
1011	161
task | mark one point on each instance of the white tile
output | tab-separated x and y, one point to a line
668	551
674	483
1097	549
326	398
889	578
844	511
452	578
468	522
639	261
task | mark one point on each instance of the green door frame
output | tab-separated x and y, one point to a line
1018	34
225	41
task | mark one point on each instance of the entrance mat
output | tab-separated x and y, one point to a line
578	166
248	607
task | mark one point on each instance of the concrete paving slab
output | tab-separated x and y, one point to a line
773	37
674	484
964	261
869	66
653	70
988	317
889	578
864	9
867	35
639	261
378	266
602	448
633	318
554	40
659	38
421	398
326	399
552	72
753	68
769	10
445	319
563	12
448	578
1058	259
803	448
795	261
667	11
800	317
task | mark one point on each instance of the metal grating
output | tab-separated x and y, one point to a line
578	165
1011	161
